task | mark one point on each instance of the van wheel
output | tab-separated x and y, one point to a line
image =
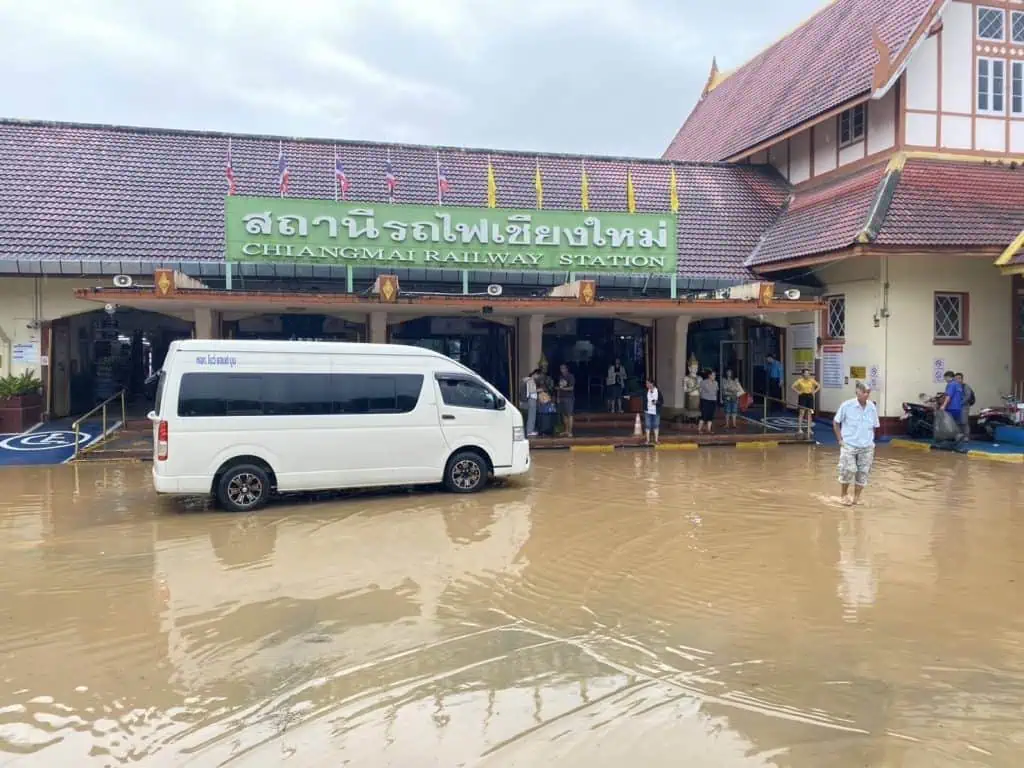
243	488
466	473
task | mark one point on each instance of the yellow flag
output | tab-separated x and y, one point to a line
673	191
538	184
492	186
585	191
630	191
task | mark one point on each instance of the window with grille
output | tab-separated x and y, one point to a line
835	317
851	125
1017	26
950	317
991	86
991	24
1017	87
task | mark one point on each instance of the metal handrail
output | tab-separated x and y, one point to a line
102	408
764	405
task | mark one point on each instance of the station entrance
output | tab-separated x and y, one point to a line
294	327
484	346
95	355
589	347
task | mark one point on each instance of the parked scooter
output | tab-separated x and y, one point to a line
920	417
1009	415
926	421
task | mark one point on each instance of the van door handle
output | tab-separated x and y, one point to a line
447	417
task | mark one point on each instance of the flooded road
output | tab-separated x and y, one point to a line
713	608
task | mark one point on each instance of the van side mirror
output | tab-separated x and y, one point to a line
499	404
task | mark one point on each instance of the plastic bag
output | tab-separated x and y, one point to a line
945	428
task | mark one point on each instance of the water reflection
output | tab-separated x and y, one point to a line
711	608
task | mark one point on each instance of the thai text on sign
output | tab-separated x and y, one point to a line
298	231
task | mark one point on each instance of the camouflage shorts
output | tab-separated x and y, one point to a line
855	464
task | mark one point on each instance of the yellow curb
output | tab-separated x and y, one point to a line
592	448
910	445
1005	458
759	444
676	447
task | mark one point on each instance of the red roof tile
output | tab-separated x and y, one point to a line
821	65
93	192
822	219
947	203
930	203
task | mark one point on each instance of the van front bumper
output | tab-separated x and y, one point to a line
520	460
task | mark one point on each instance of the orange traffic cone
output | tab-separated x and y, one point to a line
638	429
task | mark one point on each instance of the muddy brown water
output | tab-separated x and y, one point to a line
714	608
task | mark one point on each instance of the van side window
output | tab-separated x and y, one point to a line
297	394
463	393
373	393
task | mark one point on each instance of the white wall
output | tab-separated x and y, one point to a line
792	157
940	82
859	281
903	345
800	157
825	140
26	301
882	116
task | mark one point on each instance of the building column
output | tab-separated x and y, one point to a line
377	327
207	323
670	358
530	338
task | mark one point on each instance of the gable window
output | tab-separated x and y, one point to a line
991	86
1017	26
851	125
950	314
1017	88
991	24
835	317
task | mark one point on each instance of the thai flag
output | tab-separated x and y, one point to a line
443	187
229	172
389	178
283	174
341	178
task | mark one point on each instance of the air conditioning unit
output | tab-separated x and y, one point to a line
122	281
792	294
494	289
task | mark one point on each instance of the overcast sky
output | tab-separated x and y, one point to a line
594	76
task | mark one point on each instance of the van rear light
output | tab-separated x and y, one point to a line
161	441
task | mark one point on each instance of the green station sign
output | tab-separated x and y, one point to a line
302	231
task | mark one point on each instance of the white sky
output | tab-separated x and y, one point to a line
594	76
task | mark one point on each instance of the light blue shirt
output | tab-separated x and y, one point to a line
775	370
857	423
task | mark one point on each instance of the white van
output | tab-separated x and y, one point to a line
244	419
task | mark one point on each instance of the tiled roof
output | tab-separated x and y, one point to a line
912	202
945	203
826	62
94	192
819	220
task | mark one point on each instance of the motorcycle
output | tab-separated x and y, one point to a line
1009	415
924	421
920	417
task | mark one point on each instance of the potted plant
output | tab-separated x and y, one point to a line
21	401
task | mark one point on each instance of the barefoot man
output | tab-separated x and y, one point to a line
855	424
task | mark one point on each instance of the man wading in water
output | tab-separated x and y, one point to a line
855	424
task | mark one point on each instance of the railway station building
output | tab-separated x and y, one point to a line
850	200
